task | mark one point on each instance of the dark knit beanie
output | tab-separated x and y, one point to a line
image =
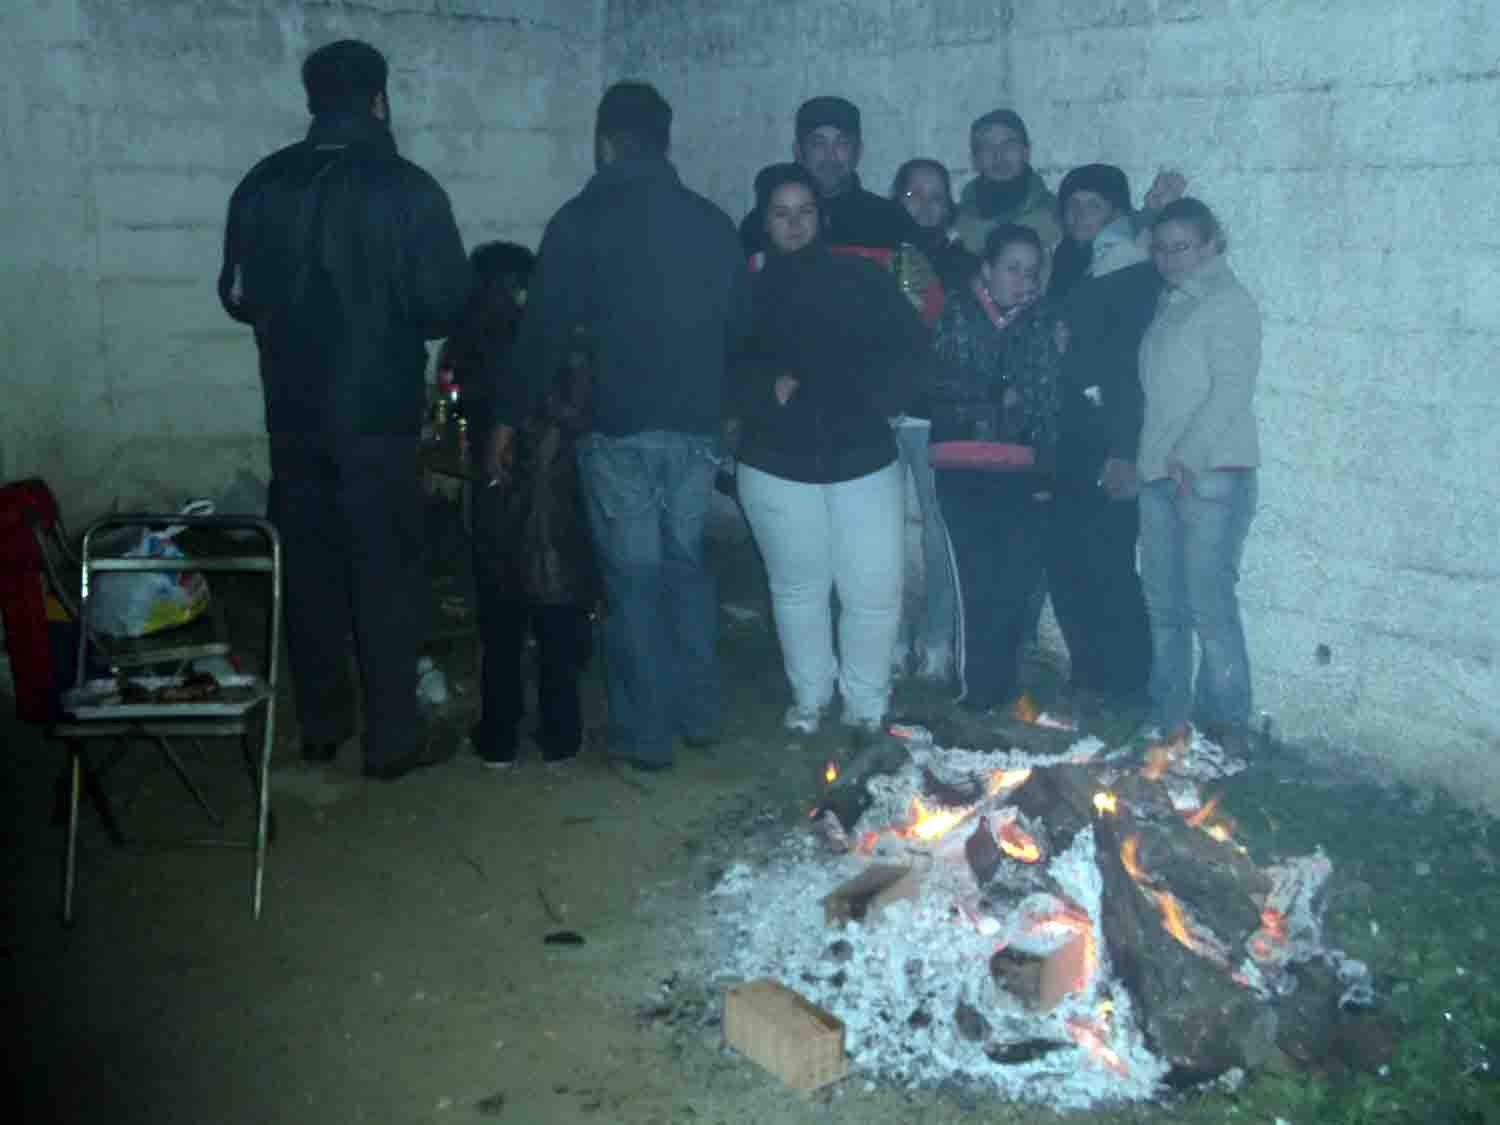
773	176
1009	118
1104	180
841	113
635	109
343	77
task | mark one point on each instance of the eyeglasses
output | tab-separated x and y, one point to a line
1173	249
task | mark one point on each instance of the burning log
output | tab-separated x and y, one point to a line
1195	1015
1061	797
847	798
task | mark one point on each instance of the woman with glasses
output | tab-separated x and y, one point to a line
1198	459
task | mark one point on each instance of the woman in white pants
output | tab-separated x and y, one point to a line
834	351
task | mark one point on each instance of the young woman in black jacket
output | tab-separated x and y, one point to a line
835	350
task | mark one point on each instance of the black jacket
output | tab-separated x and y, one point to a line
1102	402
345	258
854	217
838	325
653	274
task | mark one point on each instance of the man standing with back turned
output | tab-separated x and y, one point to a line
345	259
653	276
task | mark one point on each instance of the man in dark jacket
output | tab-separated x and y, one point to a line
652	274
344	257
829	144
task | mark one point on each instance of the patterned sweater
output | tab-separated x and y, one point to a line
978	362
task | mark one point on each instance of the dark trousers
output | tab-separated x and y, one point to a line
1096	591
996	527
348	508
564	643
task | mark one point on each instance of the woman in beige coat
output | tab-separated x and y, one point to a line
1198	458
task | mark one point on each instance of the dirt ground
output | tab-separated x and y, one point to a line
400	974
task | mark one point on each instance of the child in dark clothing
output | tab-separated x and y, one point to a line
533	565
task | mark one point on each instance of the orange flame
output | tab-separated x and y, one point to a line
1129	856
867	843
831	772
1018	843
1003	781
1173	918
1106	803
1024	709
931	824
1088	1035
1196	819
1079	923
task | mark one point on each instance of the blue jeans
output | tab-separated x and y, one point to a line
1191	546
647	496
935	642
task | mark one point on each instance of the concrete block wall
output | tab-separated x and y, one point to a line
127	123
1353	150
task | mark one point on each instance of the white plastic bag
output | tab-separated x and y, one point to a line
124	604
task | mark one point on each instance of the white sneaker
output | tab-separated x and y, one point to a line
802	720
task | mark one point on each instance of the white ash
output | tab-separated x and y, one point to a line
925	956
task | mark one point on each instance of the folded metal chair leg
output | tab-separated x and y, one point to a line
187	779
70	851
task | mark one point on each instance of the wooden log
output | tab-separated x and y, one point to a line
848	797
1194	1015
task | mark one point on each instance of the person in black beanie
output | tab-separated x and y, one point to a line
1101	232
828	145
345	258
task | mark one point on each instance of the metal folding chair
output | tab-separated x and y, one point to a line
135	700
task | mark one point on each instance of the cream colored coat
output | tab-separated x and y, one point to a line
1199	362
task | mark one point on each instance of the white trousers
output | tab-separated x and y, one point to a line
818	538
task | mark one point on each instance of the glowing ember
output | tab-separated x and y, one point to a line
1017	843
1161	755
931	824
1174	918
1267	941
1024	709
1003	781
1106	803
1074	921
1197	819
1088	1035
867	843
1129	856
831	773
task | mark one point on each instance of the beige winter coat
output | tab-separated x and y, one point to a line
1199	362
